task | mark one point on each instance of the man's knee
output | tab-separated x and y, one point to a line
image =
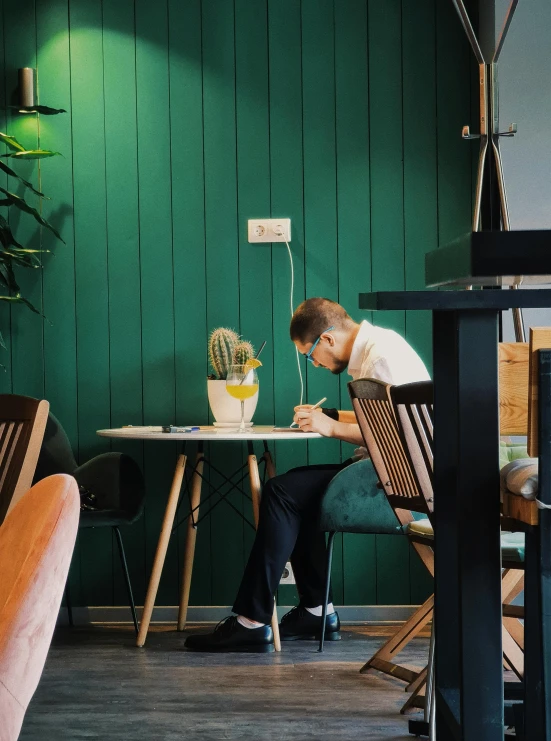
277	491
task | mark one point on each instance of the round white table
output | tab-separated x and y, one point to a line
204	434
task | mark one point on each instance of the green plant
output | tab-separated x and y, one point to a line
222	343
12	252
242	352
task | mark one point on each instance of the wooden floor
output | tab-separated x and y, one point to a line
98	685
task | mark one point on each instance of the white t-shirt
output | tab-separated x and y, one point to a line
386	356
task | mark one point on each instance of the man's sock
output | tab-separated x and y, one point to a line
318	611
246	623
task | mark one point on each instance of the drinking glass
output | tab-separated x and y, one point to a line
242	383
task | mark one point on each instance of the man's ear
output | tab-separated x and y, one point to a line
329	338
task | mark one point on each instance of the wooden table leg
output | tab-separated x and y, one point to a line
191	537
162	547
254	480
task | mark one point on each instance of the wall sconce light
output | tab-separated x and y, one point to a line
26	97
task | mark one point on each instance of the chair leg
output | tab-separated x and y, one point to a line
382	659
69	605
127	577
330	543
430	707
418	698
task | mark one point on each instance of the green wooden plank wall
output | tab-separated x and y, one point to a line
183	123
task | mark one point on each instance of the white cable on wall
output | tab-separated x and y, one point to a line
292	312
280	233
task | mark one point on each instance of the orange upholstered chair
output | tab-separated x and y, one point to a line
36	544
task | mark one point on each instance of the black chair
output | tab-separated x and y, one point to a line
111	488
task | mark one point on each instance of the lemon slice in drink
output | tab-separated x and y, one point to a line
252	363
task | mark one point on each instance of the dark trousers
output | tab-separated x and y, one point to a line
287	528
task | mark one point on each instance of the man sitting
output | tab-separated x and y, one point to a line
288	522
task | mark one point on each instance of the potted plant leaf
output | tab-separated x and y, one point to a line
13	254
227	349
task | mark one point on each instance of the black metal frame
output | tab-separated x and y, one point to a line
469	690
223	495
330	544
537	599
124	565
126	576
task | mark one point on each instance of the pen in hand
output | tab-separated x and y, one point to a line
320	402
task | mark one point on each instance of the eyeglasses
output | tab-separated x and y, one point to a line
308	355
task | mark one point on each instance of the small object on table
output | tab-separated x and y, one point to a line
174	428
287	429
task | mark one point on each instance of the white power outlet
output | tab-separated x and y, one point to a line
269	230
288	576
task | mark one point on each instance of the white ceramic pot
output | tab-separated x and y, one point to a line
225	409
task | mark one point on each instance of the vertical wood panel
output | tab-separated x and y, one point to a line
156	270
453	59
222	260
320	191
386	154
188	209
387	227
91	281
286	152
123	255
27	339
60	356
420	159
253	197
353	225
5	312
420	190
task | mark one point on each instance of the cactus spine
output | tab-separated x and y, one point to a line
242	352
222	344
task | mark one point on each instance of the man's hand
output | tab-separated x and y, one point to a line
314	420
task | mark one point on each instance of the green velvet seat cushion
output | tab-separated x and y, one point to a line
512	547
509	451
353	503
512	544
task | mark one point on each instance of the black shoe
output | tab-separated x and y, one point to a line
299	624
229	635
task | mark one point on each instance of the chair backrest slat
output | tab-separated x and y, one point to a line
513	388
6	429
9	449
22	425
377	421
413	407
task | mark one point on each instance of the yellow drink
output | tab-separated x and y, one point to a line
241	391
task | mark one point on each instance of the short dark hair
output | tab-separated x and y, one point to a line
314	316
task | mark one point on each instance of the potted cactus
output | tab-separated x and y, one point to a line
226	349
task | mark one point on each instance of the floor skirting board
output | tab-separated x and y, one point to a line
349	614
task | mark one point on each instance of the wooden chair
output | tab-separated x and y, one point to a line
22	425
354	503
532	513
403	461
